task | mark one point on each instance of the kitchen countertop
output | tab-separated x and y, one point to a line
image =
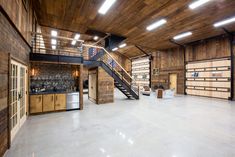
51	92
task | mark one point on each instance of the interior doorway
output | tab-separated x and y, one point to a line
17	96
92	85
173	82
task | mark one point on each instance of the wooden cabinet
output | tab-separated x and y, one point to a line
60	101
35	103
48	103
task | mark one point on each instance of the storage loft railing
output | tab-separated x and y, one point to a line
43	43
116	68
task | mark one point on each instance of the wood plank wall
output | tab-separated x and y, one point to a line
123	61
168	62
171	60
234	68
21	15
92	77
210	78
214	48
11	42
101	91
105	87
208	49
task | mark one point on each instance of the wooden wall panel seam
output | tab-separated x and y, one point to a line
13	25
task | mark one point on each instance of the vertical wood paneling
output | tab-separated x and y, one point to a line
105	87
169	61
208	49
81	87
234	68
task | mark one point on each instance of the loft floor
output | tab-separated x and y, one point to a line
185	126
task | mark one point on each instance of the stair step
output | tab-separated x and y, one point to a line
132	98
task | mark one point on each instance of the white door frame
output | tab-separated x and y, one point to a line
18	97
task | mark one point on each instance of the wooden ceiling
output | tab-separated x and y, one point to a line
130	18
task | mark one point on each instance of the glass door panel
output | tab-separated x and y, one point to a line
18	91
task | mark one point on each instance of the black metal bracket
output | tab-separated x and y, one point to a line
231	40
151	58
144	52
227	32
174	42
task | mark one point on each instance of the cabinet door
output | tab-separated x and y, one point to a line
35	103
48	103
60	101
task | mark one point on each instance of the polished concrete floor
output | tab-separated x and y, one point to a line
185	126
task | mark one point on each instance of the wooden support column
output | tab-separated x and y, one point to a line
81	87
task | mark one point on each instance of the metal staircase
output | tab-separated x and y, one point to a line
122	79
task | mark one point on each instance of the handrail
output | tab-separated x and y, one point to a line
87	45
58	37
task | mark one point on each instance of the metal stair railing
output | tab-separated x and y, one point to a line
108	60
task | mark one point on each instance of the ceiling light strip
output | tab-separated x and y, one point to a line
183	35
224	22
156	24
122	45
106	6
198	3
115	49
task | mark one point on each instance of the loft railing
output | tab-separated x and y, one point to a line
42	43
116	67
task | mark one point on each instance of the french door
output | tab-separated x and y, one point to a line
18	96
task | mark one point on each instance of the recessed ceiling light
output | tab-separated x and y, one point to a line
53	41
156	24
53	47
106	6
96	38
115	49
122	45
225	22
198	3
53	33
183	35
77	36
73	42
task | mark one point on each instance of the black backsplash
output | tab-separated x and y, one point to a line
52	77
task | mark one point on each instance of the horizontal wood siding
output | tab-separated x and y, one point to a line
11	42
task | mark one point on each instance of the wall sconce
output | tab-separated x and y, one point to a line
76	73
33	72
